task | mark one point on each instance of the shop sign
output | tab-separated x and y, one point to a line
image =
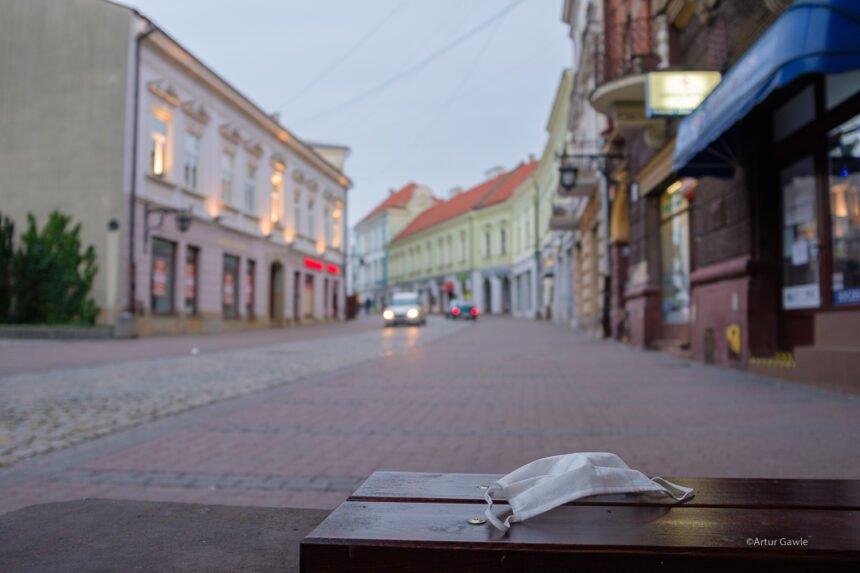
672	204
674	93
159	277
313	264
801	296
333	269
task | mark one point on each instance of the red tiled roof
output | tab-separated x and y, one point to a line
489	192
509	185
397	199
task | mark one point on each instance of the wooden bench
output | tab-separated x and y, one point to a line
416	522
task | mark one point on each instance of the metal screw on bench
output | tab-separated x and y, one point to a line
476	521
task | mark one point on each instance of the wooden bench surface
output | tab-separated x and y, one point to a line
419	522
710	492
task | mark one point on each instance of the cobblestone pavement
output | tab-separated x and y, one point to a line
48	410
452	397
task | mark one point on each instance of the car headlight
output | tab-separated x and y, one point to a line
412	313
388	314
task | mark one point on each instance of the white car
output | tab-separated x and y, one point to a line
404	309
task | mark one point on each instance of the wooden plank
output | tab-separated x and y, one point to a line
384	536
710	492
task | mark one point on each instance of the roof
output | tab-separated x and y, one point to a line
394	200
491	192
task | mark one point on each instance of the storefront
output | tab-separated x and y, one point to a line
785	124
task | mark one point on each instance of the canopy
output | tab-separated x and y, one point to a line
811	37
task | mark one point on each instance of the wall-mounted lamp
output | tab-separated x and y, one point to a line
183	220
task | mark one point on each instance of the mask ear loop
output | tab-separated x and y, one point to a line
686	492
488	513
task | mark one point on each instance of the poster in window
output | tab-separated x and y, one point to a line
159	277
228	288
190	279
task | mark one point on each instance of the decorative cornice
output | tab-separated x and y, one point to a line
278	162
254	148
196	111
164	90
230	133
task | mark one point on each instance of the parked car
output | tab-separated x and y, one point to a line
404	309
462	309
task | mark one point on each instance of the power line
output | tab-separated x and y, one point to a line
414	68
351	51
445	105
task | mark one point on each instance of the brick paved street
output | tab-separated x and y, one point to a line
308	420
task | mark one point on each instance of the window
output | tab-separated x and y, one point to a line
162	279
230	287
328	226
277	194
249	289
503	238
487	244
158	144
251	188
297	210
192	160
192	257
675	251
226	178
312	230
800	236
845	211
462	246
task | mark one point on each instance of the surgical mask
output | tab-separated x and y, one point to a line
548	483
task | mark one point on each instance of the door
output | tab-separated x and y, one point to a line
276	293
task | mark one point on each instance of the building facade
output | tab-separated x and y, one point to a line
731	231
459	247
149	138
373	234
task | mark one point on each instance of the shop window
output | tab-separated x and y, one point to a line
230	287
192	160
192	260
250	289
675	255
799	236
162	279
158	143
845	211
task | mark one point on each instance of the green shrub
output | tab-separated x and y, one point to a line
7	251
52	276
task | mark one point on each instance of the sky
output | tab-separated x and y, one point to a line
432	92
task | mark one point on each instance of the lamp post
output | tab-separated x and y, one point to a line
183	220
568	174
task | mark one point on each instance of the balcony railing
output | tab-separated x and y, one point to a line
625	48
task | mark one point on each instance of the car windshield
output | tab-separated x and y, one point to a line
405	298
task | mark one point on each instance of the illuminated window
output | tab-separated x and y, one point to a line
230	287
161	277
192	160
277	194
227	178
158	145
251	188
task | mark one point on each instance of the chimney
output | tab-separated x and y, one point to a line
454	192
494	172
391	192
531	157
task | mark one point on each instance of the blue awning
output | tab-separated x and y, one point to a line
810	37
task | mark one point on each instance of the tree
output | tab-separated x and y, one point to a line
7	251
52	275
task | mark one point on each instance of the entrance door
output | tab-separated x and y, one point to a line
276	293
488	296
297	296
801	291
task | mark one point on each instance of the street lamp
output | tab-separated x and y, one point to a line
568	172
183	220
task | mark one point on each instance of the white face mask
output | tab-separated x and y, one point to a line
550	482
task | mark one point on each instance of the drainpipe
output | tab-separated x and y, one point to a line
132	267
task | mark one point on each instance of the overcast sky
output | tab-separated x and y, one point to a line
433	92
